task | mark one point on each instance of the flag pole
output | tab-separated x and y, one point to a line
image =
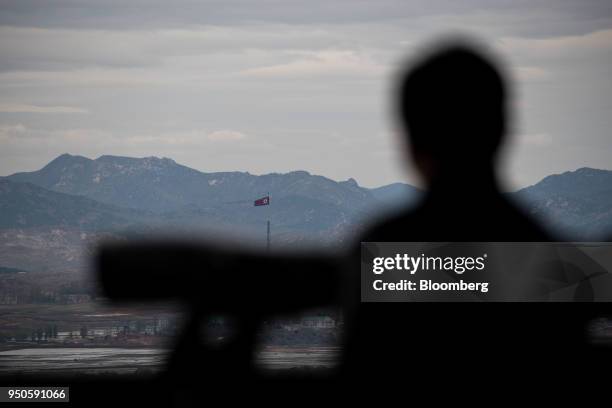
268	244
268	235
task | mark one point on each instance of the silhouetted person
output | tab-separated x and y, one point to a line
453	108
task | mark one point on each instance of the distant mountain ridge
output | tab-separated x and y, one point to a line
114	192
575	204
24	205
396	195
162	185
303	205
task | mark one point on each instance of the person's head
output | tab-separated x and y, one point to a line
452	105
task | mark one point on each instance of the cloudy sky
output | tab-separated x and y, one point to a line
274	86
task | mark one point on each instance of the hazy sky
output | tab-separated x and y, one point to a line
275	86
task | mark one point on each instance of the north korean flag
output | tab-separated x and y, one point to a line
262	201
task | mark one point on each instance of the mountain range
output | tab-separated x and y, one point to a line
577	205
114	193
